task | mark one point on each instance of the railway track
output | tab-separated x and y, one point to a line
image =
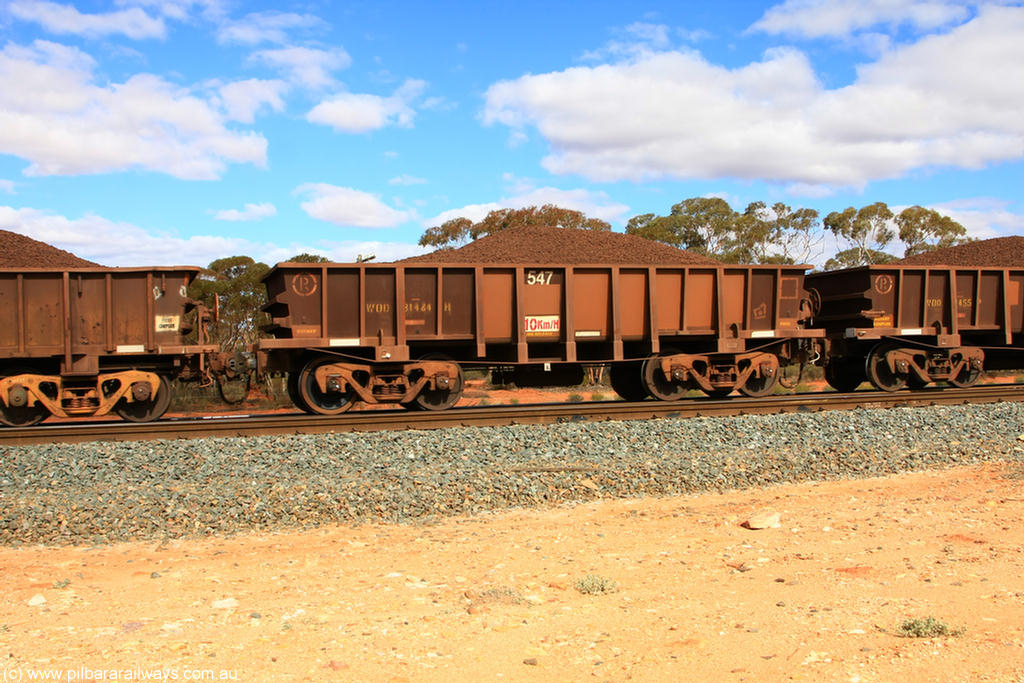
379	420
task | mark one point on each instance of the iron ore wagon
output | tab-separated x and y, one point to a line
899	326
402	333
90	341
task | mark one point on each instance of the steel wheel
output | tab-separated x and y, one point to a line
147	411
322	402
292	384
759	386
627	381
878	371
967	376
22	416
842	376
658	385
439	399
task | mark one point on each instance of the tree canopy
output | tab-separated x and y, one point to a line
710	226
306	257
866	232
924	229
458	231
782	234
236	284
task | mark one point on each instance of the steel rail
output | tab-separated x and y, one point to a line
381	420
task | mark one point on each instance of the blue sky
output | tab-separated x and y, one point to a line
146	132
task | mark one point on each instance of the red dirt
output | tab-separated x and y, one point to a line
697	597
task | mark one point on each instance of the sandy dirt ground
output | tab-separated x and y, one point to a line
690	593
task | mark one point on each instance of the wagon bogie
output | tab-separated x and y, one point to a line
891	366
328	385
130	392
669	376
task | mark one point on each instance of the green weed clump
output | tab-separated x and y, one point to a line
592	584
929	627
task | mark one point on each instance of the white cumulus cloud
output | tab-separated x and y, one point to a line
112	243
360	113
406	179
305	66
347	206
593	204
839	18
65	19
243	99
945	100
54	114
251	212
984	217
265	27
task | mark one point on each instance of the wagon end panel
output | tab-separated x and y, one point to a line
295	301
791	294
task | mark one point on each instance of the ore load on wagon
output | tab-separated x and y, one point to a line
999	252
664	320
21	251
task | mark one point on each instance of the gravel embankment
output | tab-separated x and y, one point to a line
103	492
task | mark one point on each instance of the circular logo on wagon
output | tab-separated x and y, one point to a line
883	284
304	284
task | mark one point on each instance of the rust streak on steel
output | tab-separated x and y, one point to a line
385	420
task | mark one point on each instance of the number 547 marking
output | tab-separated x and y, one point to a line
539	277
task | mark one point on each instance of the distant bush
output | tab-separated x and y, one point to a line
592	584
929	627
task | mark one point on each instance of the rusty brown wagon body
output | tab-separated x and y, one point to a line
89	341
402	332
910	325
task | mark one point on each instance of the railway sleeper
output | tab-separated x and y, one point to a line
62	397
